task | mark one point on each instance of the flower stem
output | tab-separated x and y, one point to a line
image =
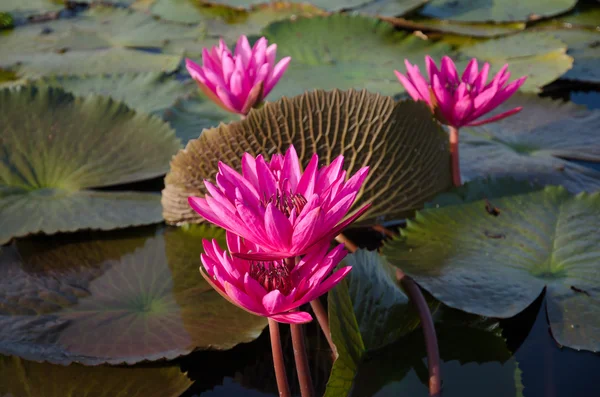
455	162
278	363
431	344
301	358
323	320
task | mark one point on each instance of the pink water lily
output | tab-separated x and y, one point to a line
279	207
240	81
460	101
273	289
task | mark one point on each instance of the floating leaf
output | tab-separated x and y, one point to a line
20	378
119	305
55	146
144	92
184	11
344	51
586	14
331	5
496	266
496	11
537	55
584	47
390	8
190	115
464	29
366	313
26	8
100	40
406	150
534	144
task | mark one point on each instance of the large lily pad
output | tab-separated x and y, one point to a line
20	378
145	92
366	313
390	8
55	147
535	144
496	11
538	55
345	51
103	39
26	8
496	266
462	28
405	148
119	305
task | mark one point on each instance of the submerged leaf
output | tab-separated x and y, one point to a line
55	147
496	266
535	144
116	303
406	150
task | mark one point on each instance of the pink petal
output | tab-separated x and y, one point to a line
307	229
263	256
443	97
235	85
291	168
266	180
228	68
242	300
248	191
409	87
329	174
292	318
273	301
431	68
200	205
325	286
249	170
278	227
418	81
481	78
252	228
227	99
496	117
471	72
354	184
462	110
218	194
274	77
349	220
253	289
306	185
448	71
243	50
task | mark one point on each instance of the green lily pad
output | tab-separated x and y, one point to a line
584	47
55	147
585	15
144	92
184	11
496	11
345	51
366	313
535	144
463	28
192	114
330	5
390	8
406	150
119	305
100	40
538	55
21	378
26	8
496	266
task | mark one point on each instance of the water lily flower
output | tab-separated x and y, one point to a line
460	101
273	289
279	207
240	81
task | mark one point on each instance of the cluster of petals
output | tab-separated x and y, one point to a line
460	101
280	208
237	82
238	281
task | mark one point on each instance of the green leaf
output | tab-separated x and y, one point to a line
331	5
55	146
390	8
184	11
26	8
116	303
496	11
538	55
534	144
496	266
367	313
190	115
100	40
344	51
144	92
406	150
20	378
584	47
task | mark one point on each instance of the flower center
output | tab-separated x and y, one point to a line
272	275
286	202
